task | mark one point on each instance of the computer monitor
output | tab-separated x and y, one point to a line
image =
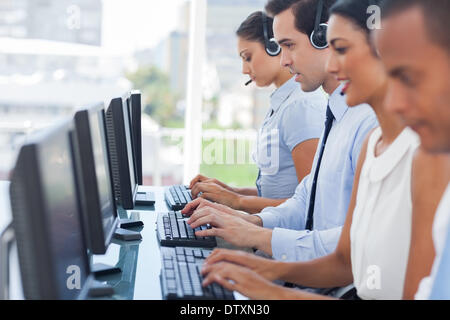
134	107
121	153
96	189
46	219
133	104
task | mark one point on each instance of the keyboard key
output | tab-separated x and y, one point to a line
181	258
189	251
168	264
174	226
179	250
185	279
182	229
171	284
197	253
179	215
170	274
174	195
190	259
180	195
206	253
190	232
196	283
217	290
187	195
170	198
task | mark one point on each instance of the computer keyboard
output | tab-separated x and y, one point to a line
181	277
173	231
177	197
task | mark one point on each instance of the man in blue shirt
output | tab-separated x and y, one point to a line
321	200
419	93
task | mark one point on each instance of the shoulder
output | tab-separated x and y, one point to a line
309	105
428	162
361	120
363	112
365	144
430	172
315	101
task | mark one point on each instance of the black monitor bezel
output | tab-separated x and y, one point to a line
134	107
30	220
127	191
98	238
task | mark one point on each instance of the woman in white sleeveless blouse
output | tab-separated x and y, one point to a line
374	246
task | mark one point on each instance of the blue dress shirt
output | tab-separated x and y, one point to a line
294	116
290	240
441	286
441	282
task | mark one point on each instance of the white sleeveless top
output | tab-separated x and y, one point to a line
380	233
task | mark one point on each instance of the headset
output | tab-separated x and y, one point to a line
318	37
271	46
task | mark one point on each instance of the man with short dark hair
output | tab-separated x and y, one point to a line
414	44
309	224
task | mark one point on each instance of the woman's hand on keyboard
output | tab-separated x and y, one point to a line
267	268
200	203
201	178
247	282
216	193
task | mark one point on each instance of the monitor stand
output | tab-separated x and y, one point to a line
130	223
101	269
99	289
144	198
127	235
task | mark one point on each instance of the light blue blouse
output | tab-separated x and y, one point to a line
294	117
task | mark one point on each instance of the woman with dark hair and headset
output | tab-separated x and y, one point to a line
288	137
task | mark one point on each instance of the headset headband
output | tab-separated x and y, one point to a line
318	15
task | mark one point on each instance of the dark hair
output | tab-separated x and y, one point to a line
275	7
436	14
354	10
252	28
303	10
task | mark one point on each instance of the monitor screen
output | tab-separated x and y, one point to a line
134	108
67	245
133	138
102	172
126	120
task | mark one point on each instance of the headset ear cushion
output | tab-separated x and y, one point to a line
273	49
319	37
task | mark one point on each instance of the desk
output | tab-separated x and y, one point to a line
15	291
140	261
